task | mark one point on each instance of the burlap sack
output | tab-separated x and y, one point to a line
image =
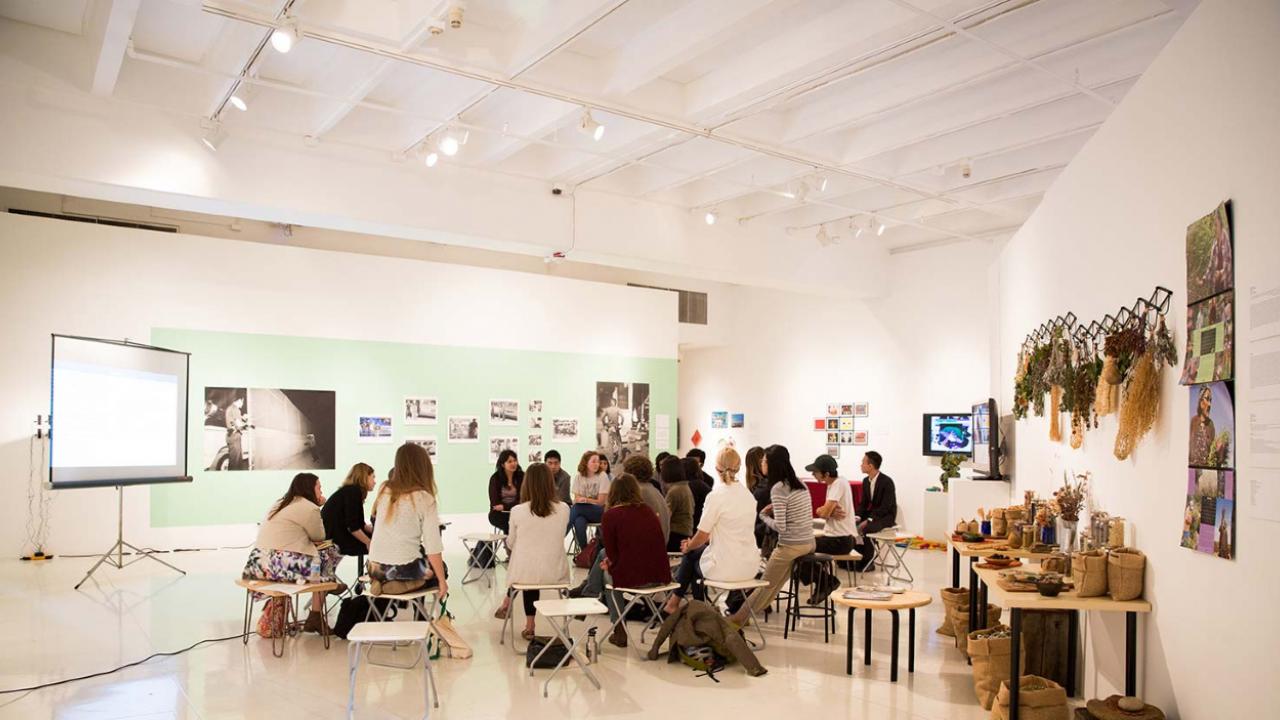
998	527
952	597
1056	562
959	615
975	527
1089	573
991	663
1125	568
1038	699
1013	515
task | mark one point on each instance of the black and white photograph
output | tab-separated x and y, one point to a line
464	429
498	443
420	411
535	440
535	456
376	429
504	412
564	430
622	420
535	422
268	429
535	407
427	442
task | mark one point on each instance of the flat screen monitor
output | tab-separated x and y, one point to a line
986	439
948	433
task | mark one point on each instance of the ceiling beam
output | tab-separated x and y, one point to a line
110	23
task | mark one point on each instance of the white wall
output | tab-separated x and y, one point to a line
923	347
100	281
1198	128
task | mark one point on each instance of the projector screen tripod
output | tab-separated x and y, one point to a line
115	556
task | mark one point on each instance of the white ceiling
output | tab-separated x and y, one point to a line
745	107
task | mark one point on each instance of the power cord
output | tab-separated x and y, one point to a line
123	667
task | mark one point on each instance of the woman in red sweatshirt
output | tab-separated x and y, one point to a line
635	550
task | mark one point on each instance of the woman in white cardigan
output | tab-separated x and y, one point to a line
536	541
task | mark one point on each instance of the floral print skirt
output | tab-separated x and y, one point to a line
292	567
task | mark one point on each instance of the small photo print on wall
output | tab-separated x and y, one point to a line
420	411
833	408
535	440
268	429
564	430
499	443
833	438
504	412
861	409
833	451
719	420
833	423
428	443
859	437
737	420
535	407
535	456
1208	523
1213	435
819	423
846	409
374	429
1210	266
846	423
464	429
1210	340
846	437
535	422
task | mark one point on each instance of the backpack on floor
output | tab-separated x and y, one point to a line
702	658
482	556
355	609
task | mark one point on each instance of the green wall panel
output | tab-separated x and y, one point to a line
373	378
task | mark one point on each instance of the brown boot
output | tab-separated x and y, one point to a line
314	623
619	636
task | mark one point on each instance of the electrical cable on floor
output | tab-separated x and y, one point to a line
153	551
122	667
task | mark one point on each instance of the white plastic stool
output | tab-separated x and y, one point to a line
890	558
473	542
561	589
650	596
717	588
560	614
421	603
396	633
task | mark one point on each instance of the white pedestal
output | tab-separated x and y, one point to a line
935	517
966	495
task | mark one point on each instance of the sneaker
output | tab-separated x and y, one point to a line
579	591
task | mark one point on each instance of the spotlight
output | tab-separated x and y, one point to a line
822	183
286	36
857	230
711	217
455	16
588	125
431	159
802	191
466	135
449	144
239	103
879	226
212	138
823	239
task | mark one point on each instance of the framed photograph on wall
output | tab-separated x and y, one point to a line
420	411
504	412
846	423
464	429
820	423
833	451
846	409
719	420
833	409
833	438
564	430
535	456
374	429
498	443
535	407
428	442
535	440
737	420
860	437
833	423
862	409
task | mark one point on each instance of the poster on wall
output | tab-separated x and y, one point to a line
535	456
846	423
374	429
833	423
846	409
622	420
833	408
1210	264
861	409
1210	340
427	442
833	438
504	412
420	411
535	440
833	451
268	429
564	430
535	407
498	443
719	420
860	437
737	420
820	423
1213	433
1208	524
464	429
535	422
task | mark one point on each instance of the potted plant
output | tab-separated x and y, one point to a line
950	468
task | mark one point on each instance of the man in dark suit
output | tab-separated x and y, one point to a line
877	508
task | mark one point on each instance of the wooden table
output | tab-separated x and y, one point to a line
1016	602
909	600
977	591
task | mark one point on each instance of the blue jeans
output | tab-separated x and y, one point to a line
581	514
688	574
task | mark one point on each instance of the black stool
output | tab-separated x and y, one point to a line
821	566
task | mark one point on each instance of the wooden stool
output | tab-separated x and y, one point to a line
650	596
909	600
718	588
290	593
394	633
561	589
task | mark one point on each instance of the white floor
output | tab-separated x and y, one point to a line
52	632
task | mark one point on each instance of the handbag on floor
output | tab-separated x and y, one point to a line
271	623
556	651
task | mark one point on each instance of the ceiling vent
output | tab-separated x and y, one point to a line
94	220
693	305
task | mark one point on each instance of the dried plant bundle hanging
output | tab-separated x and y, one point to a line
1106	390
1141	404
1055	414
1166	350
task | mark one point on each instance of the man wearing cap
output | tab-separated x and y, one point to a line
841	530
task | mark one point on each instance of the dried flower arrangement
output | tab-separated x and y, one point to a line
1070	497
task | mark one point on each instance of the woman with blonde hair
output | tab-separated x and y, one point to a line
536	541
405	554
343	512
724	548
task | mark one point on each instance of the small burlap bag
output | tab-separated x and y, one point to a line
1038	699
1089	573
1125	568
990	651
953	597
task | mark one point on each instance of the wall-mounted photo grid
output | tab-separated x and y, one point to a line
1208	522
843	425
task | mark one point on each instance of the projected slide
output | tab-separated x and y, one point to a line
118	413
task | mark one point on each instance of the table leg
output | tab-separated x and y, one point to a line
973	595
848	650
955	567
893	654
1131	654
1073	637
866	632
572	646
911	640
982	605
1015	660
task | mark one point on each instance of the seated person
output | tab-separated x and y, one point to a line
639	467
286	549
536	542
699	482
724	548
405	554
790	515
590	491
563	481
504	488
343	512
841	530
635	554
758	484
679	502
878	509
